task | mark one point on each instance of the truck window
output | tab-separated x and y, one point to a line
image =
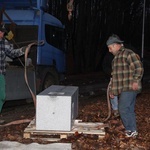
55	36
23	34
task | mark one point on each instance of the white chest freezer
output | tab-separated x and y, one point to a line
56	108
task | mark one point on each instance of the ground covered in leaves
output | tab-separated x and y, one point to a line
92	108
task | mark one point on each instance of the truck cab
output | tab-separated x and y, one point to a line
29	22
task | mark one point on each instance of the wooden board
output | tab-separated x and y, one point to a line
79	127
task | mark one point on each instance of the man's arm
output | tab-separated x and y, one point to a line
11	52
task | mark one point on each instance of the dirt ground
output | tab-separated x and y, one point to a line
92	108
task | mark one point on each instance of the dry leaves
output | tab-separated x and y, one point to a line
93	108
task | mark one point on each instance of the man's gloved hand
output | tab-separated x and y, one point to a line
24	48
9	35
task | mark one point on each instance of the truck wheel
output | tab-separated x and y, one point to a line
48	81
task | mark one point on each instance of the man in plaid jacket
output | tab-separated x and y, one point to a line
127	72
6	49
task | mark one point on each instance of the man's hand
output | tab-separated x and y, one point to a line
9	35
24	48
135	86
111	96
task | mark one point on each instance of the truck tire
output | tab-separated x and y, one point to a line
49	80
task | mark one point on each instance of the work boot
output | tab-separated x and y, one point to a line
116	113
131	133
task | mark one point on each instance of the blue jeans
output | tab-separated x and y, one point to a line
114	103
126	109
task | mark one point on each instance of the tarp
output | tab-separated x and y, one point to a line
7	145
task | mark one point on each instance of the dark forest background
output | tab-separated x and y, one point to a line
92	22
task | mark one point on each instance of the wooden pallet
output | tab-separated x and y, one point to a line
79	127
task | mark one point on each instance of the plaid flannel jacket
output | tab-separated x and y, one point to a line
126	69
6	49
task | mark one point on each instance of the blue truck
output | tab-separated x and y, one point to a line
29	21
